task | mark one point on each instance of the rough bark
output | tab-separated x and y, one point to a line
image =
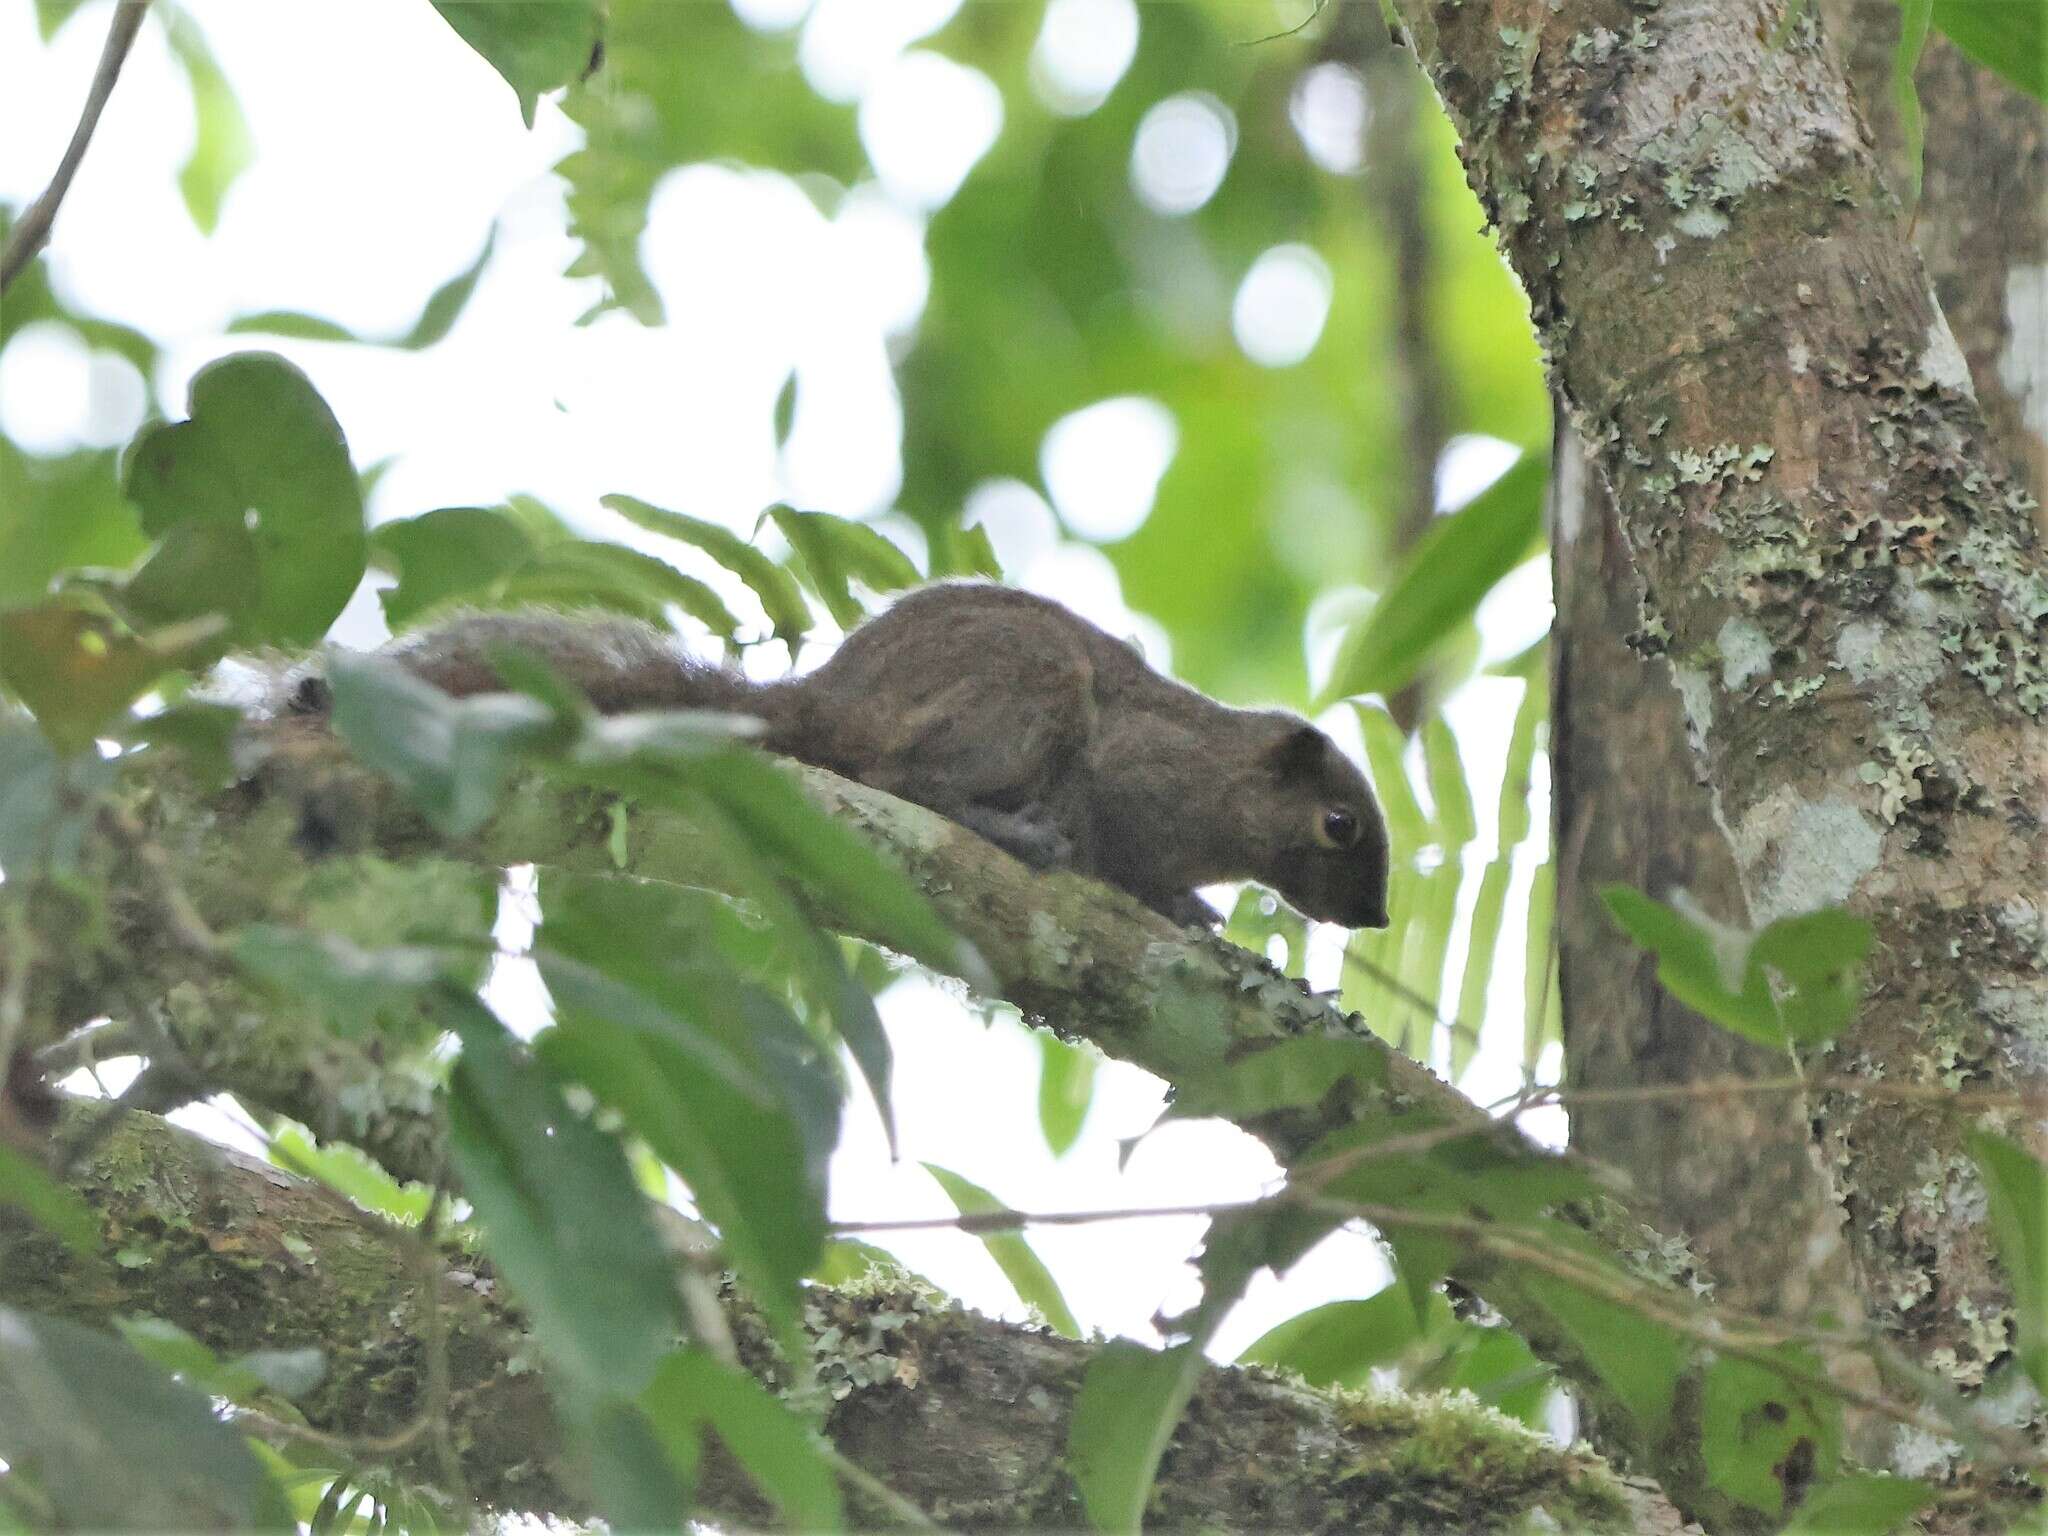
1848	585
965	1416
1735	1175
1066	950
1981	223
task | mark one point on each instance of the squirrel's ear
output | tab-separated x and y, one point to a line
1299	749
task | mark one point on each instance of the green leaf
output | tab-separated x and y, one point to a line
452	757
1915	16
1384	749
780	597
78	670
1860	1504
692	1392
837	552
2018	1189
1340	1343
958	551
286	1373
785	410
293	323
437	316
1636	1357
447	555
1819	957
1124	1415
1032	1281
349	1172
713	1073
61	514
114	1444
255	503
558	1206
2010	39
583	572
1456	823
1703	968
1287	1074
46	801
27	1186
1495	1366
827	856
52	14
1066	1087
1725	973
1488	1174
355	988
1455	564
221	146
1468	1018
536	45
1257	918
445	304
203	733
1754	1422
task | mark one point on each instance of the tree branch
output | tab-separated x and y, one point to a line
959	1414
1071	953
33	232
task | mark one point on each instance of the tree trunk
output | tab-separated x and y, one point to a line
1735	1174
1848	585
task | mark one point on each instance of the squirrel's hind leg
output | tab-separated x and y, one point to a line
1031	832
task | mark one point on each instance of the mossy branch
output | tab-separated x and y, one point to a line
964	1416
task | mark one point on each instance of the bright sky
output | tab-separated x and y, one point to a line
386	152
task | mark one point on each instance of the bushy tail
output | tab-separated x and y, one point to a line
619	664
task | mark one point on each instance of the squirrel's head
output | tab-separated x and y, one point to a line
1328	852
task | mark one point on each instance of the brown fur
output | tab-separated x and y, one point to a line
1020	720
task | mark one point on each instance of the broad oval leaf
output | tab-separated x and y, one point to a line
259	479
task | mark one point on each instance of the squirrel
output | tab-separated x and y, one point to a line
1019	720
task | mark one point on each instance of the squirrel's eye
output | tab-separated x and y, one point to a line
1337	829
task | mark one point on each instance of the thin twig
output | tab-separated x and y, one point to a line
33	232
1751	1338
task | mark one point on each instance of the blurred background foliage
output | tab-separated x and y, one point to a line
1226	244
1205	296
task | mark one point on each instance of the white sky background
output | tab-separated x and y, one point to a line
386	151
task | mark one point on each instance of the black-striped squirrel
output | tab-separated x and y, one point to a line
1017	719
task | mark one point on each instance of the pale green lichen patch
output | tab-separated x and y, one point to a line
1809	853
1052	946
1745	652
1896	773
